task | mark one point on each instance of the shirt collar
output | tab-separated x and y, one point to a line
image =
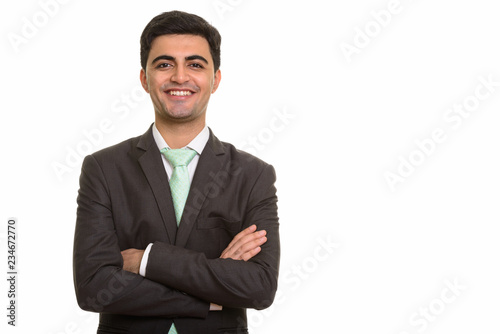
197	144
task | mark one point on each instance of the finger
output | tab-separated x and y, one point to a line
249	246
237	252
235	248
248	239
248	242
129	250
248	255
237	238
245	232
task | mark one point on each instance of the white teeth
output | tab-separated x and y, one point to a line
180	92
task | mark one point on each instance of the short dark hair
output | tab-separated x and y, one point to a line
180	23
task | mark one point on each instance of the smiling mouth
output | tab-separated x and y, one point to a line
179	92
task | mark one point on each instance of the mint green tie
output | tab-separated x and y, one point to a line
179	184
179	181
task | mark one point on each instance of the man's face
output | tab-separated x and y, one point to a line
180	77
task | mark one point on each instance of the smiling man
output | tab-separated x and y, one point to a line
176	232
180	79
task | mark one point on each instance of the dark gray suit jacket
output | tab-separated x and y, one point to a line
124	202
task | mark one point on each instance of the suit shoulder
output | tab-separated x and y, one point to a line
246	160
118	150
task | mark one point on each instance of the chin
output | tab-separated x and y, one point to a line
178	117
181	116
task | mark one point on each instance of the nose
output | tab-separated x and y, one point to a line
180	75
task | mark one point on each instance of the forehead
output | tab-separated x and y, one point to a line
179	45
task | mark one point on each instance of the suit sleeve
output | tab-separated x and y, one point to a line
100	282
228	282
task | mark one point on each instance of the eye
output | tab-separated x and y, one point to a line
163	65
196	65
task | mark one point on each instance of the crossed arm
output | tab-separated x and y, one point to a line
244	246
245	275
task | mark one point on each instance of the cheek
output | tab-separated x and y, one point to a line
211	83
153	84
155	81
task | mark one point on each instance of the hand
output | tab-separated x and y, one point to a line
245	244
132	259
215	307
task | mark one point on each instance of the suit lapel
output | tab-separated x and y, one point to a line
210	163
152	166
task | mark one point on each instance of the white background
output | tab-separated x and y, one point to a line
349	123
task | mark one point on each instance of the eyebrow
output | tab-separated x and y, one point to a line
167	57
194	57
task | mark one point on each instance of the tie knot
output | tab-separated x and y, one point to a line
179	157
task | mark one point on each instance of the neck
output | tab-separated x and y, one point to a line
178	135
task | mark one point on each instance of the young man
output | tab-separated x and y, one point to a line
176	231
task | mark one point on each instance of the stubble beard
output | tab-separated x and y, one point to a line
179	117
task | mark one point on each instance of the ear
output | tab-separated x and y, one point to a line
217	78
144	80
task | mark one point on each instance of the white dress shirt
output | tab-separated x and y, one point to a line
197	144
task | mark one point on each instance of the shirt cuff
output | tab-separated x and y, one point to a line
144	261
